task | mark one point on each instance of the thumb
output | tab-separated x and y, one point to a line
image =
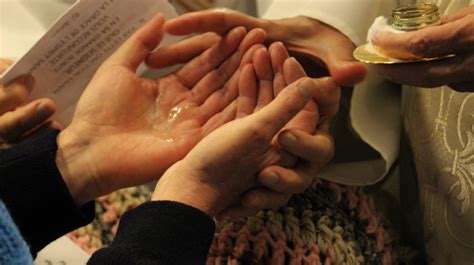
135	50
342	66
286	105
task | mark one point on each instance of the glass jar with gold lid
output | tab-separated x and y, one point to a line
405	18
415	16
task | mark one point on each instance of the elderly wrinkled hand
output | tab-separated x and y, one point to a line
18	118
454	36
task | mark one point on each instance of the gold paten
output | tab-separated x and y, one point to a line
365	55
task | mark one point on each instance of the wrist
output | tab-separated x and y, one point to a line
182	185
71	160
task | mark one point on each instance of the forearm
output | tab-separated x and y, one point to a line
160	232
34	191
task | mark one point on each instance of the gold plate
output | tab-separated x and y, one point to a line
364	54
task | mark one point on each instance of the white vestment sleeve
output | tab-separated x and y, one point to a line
351	17
375	105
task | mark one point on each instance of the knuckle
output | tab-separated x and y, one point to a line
292	103
420	45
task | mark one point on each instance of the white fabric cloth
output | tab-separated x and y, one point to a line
375	108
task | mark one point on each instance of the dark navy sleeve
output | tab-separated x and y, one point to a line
34	192
160	232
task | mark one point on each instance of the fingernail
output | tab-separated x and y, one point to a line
306	87
288	139
270	180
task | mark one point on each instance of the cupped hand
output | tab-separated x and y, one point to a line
128	130
274	70
304	36
224	164
18	118
454	36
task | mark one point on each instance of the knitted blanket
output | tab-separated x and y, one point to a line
327	224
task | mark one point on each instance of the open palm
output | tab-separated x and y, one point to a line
135	128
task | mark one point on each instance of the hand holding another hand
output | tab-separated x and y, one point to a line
274	70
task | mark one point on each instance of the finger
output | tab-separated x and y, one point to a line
135	50
183	51
48	125
437	73
285	106
4	64
248	56
216	78
307	119
458	15
14	124
198	67
343	68
247	99
216	20
317	148
221	118
292	70
278	56
264	199
15	93
263	69
283	180
214	81
454	37
327	97
253	37
336	53
221	98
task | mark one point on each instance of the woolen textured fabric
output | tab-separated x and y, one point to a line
159	232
